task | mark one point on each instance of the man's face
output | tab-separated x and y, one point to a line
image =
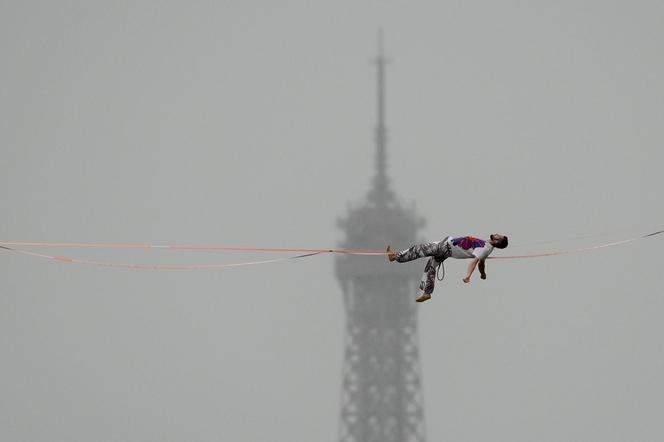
496	237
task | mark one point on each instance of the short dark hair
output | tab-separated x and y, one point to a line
502	243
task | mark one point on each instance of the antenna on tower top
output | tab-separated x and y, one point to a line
381	194
380	42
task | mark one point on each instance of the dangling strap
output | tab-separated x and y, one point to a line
446	254
440	266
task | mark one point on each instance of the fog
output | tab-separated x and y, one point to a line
251	123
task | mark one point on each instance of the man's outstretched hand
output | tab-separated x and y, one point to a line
467	278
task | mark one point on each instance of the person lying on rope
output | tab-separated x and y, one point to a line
463	247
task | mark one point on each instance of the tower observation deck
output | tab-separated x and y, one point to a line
381	394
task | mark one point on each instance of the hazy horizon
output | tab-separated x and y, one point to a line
252	123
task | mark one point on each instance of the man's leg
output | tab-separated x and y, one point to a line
421	250
428	279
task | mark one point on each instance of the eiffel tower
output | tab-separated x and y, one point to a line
381	397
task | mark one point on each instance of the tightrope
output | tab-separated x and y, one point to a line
19	247
203	247
577	250
69	260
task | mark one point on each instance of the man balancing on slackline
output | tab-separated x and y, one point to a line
462	247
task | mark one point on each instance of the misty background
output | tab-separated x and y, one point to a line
251	123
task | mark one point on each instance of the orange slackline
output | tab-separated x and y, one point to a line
18	247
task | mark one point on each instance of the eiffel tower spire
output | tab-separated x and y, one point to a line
381	194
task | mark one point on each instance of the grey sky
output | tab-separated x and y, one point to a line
252	123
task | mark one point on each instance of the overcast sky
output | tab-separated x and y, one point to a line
251	122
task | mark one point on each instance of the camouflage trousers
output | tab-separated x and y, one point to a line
438	252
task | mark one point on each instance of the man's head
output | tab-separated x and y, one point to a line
499	241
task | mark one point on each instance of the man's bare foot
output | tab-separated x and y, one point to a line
391	253
423	297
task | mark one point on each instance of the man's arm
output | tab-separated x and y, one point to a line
481	269
471	269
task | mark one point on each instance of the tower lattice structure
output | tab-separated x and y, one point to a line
381	397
